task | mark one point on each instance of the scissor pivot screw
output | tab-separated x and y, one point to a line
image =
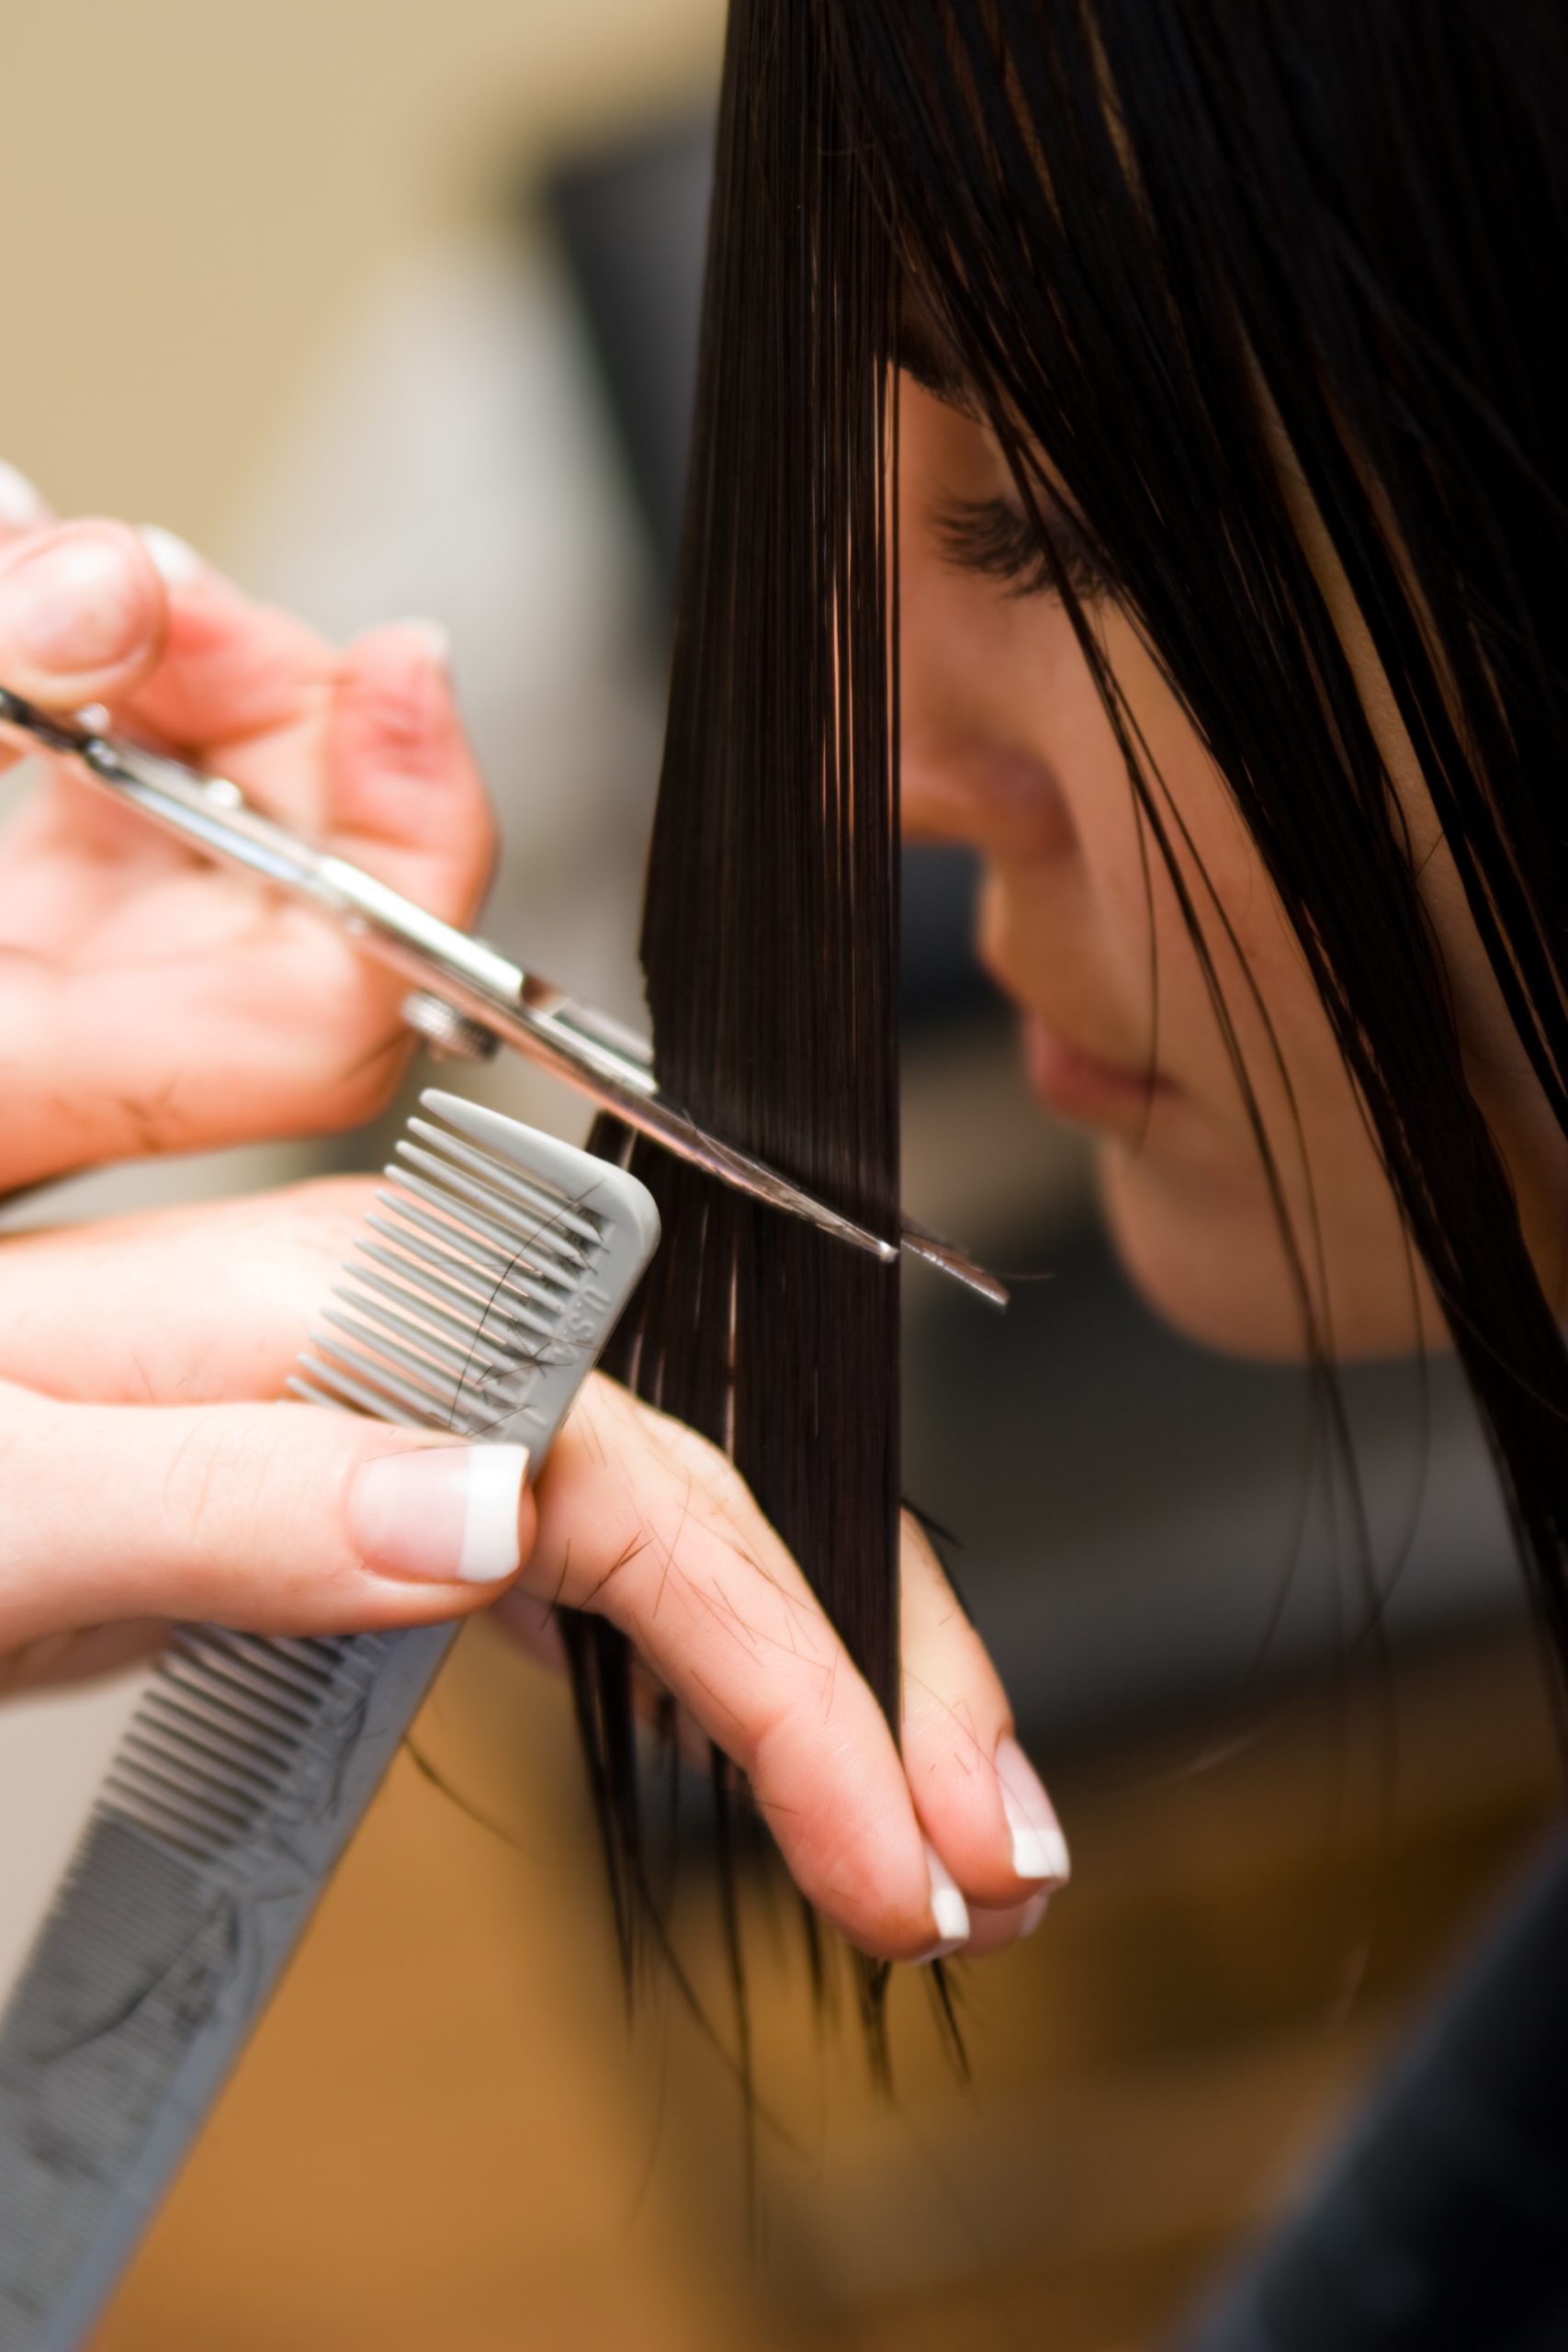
450	1035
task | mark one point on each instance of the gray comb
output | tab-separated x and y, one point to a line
495	1270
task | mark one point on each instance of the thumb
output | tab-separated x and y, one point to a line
82	614
279	1519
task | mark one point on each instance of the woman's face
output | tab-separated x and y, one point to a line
1006	748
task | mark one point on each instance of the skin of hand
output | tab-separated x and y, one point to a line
148	1002
144	1476
1007	748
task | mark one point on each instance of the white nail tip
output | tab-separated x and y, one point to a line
948	1908
1039	1848
1039	1853
20	504
173	559
494	1490
442	1514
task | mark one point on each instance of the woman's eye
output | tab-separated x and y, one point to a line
993	536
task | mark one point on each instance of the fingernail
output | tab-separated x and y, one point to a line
444	1514
1039	1848
175	561
1033	1911
435	638
21	506
71	604
949	1909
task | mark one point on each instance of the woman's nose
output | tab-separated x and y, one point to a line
1000	798
975	767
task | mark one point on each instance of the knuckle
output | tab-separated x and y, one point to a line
707	1465
637	1552
665	1465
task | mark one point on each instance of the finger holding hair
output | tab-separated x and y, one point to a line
644	1522
980	1800
951	1843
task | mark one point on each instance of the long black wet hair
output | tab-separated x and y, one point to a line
1157	233
770	935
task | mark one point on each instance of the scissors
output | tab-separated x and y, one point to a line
467	998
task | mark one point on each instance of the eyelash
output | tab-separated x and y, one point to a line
992	536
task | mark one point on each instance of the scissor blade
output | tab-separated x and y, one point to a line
586	1049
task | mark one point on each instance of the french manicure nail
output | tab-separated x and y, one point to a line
21	506
175	560
71	604
1033	1911
442	1514
1039	1848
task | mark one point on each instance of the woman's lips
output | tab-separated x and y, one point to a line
1080	1085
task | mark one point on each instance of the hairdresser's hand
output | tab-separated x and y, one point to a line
142	1478
148	1002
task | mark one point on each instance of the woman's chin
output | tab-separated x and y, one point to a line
1213	1265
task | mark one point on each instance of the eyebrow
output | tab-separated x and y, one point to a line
921	352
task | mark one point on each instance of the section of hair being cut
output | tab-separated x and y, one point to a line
771	932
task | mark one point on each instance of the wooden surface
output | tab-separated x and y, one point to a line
447	2140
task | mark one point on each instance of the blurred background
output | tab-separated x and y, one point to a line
389	308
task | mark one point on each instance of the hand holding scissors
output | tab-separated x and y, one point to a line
149	1001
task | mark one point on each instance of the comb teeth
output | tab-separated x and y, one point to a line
227	1719
466	1295
468	1304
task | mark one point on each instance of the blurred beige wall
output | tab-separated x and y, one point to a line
192	191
